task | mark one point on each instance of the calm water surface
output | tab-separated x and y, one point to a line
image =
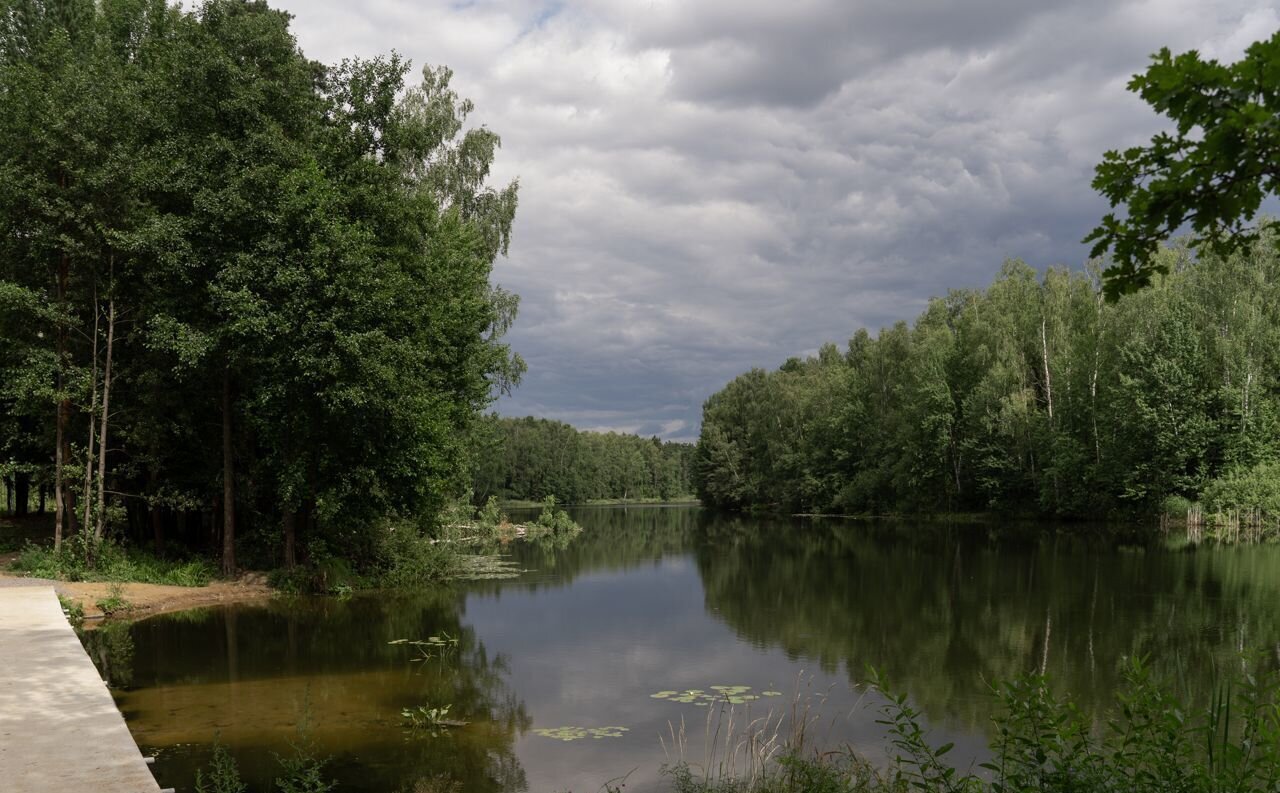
674	598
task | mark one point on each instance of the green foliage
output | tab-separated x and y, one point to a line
1032	396
223	773
410	559
1213	172
73	611
554	520
1253	491
112	563
302	772
1244	488
529	459
298	256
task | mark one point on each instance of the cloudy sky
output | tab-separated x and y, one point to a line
712	185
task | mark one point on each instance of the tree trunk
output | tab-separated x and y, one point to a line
42	493
22	493
93	410
228	482
100	526
1048	382
290	531
153	511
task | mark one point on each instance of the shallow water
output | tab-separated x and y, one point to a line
653	599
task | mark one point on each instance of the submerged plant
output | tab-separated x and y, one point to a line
578	733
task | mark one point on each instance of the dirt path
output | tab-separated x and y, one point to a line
148	599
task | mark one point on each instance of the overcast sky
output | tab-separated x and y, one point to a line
712	185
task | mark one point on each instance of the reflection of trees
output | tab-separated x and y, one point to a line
248	674
612	538
943	611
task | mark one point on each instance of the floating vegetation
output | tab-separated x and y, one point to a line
430	647
578	733
734	695
474	567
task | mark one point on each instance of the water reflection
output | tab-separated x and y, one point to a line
659	599
253	675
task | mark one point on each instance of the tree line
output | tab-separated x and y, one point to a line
242	294
530	459
1033	395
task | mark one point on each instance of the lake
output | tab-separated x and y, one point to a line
612	630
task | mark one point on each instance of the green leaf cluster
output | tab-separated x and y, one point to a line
1210	172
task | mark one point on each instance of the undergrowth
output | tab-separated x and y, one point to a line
83	560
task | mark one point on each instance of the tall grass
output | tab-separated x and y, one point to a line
1150	743
107	561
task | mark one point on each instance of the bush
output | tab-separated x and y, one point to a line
557	521
409	560
1246	488
1176	506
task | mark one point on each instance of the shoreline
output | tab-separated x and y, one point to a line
146	600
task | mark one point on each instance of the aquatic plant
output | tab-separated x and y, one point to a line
430	720
733	695
578	733
430	647
224	774
1153	742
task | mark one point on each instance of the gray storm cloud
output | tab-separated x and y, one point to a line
714	185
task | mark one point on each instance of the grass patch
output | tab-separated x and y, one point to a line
110	562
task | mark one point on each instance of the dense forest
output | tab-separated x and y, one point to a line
530	459
1034	395
244	297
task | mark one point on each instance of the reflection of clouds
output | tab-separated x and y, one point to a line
710	186
591	654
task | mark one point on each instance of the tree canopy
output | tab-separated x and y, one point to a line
1034	395
530	459
242	291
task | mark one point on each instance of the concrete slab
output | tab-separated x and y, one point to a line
60	730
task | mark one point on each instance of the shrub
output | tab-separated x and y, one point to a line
409	559
1257	487
557	521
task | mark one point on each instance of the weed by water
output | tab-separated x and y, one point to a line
115	601
82	559
223	773
1152	743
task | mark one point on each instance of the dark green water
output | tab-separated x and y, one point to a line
654	599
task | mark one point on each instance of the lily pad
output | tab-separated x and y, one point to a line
578	733
732	694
